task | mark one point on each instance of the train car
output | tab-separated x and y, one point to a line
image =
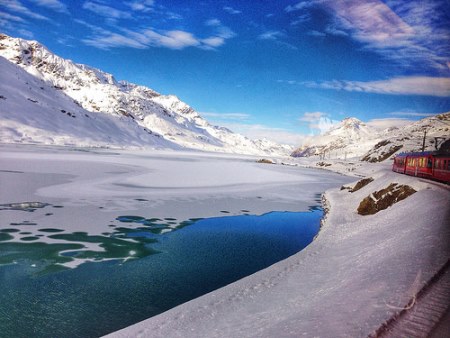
441	168
399	163
419	164
431	165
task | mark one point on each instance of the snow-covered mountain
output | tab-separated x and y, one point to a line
353	138
50	100
350	138
434	130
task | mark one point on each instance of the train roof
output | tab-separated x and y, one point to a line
424	153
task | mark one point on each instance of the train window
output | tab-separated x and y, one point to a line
429	163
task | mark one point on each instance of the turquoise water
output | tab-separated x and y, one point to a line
40	298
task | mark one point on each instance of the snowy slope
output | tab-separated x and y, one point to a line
411	137
350	138
32	111
359	272
100	94
353	138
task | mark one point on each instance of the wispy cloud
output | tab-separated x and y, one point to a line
299	6
220	29
25	33
385	123
4	17
141	5
317	122
413	85
271	35
55	5
226	116
410	114
412	33
231	10
277	37
146	38
106	11
17	7
260	131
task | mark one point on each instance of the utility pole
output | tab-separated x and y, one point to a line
424	136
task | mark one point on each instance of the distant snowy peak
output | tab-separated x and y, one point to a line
350	128
349	138
353	138
99	93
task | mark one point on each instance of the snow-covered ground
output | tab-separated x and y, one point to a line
353	277
358	272
85	190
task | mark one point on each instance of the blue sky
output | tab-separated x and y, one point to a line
280	69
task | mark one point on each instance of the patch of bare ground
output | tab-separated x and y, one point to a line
323	164
264	160
384	198
360	184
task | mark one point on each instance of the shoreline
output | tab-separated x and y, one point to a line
338	256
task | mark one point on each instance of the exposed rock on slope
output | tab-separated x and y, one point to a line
383	199
435	130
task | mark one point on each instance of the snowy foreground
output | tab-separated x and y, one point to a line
358	272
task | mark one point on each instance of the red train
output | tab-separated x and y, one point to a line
431	164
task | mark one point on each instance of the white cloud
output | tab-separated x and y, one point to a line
106	11
318	122
231	10
55	5
412	85
385	123
410	114
259	131
113	40
141	5
213	22
142	39
9	17
17	7
25	33
312	117
226	116
299	6
409	32
271	35
213	41
316	33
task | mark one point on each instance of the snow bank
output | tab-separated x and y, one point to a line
358	272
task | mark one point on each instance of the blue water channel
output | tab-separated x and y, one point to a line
38	299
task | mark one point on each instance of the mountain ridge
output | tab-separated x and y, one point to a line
99	93
352	138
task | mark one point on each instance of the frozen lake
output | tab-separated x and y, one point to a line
160	228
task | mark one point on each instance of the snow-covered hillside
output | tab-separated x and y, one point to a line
354	138
32	104
434	130
350	138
